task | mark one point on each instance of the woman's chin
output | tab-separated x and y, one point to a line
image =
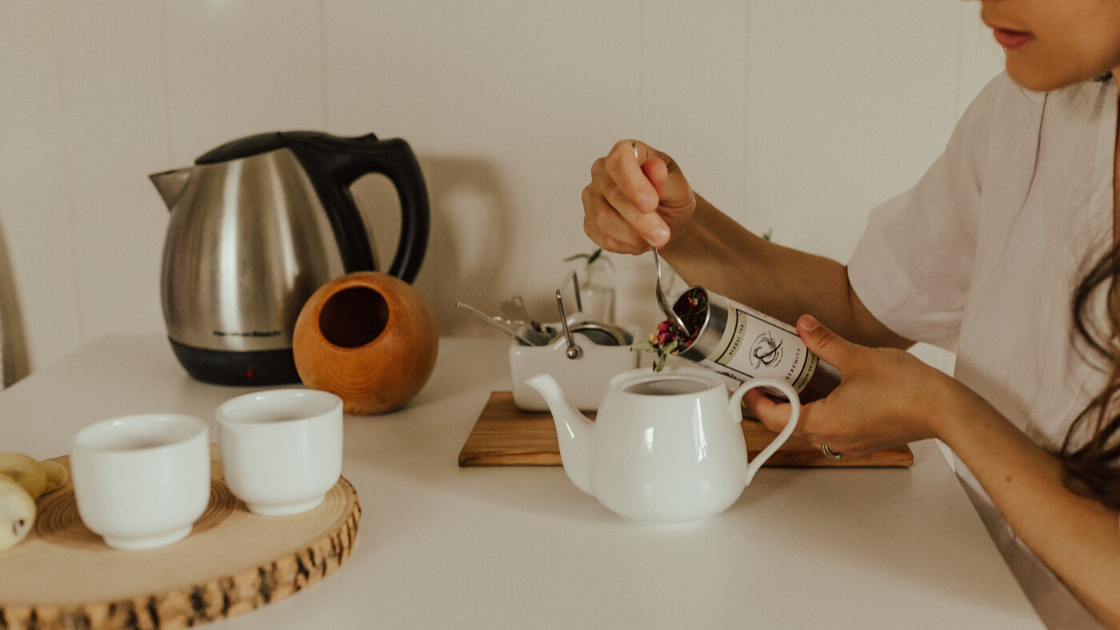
1038	78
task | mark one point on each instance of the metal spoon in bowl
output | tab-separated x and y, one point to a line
527	336
515	312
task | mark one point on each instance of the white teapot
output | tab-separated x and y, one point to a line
666	447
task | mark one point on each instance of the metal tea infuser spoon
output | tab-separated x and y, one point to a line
666	308
526	336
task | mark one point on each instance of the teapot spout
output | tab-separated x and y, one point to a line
573	430
171	184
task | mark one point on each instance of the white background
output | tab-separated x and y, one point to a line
793	116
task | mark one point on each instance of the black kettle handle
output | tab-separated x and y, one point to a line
334	163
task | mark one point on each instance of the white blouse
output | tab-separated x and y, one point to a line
982	257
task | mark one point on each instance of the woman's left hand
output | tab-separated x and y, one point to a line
886	397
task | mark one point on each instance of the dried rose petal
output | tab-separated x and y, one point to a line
667	338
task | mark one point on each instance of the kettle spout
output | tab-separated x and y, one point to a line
574	431
171	184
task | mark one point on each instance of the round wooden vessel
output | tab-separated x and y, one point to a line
64	576
368	338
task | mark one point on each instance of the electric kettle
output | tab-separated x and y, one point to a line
257	225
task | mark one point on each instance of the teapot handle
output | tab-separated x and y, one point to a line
776	443
334	163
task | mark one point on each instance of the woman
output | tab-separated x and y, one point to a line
1018	217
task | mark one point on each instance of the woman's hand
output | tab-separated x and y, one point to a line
886	397
637	198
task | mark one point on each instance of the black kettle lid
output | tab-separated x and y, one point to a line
253	145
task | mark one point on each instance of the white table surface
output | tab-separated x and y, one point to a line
441	546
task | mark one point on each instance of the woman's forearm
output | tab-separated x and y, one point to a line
718	253
1076	536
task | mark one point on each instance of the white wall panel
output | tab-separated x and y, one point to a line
847	105
116	131
239	68
38	283
693	87
981	58
378	78
694	66
793	116
378	65
526	97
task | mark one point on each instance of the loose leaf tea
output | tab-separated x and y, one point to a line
668	338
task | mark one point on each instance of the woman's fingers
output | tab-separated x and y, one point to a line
774	414
634	195
624	166
612	216
607	229
631	193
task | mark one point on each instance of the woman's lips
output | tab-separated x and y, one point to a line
1012	39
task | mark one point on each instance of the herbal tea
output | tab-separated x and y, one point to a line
667	387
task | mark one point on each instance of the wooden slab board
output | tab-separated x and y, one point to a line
506	436
63	576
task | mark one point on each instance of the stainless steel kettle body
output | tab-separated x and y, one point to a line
257	225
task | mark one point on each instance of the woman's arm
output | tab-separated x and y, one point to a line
717	252
1076	536
888	397
639	197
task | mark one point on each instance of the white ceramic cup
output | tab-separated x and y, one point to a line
142	481
281	448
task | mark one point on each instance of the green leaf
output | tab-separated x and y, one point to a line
662	352
592	257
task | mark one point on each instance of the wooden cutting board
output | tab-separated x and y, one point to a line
63	576
506	436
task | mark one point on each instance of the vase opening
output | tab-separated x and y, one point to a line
353	317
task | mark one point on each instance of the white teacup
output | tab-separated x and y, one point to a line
142	481
281	449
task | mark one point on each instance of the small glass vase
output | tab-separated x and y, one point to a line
597	290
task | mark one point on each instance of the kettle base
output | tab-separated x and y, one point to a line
225	367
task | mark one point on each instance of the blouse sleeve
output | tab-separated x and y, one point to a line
913	265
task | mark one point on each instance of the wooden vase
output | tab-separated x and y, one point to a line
368	338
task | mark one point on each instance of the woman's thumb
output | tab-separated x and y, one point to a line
670	184
824	343
656	172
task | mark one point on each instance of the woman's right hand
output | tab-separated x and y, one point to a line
637	198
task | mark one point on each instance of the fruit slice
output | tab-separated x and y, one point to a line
56	474
25	471
17	513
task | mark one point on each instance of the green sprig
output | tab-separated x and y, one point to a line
662	352
591	258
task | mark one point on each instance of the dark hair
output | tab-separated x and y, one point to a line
1090	453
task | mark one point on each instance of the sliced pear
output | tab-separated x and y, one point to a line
57	475
17	513
25	471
